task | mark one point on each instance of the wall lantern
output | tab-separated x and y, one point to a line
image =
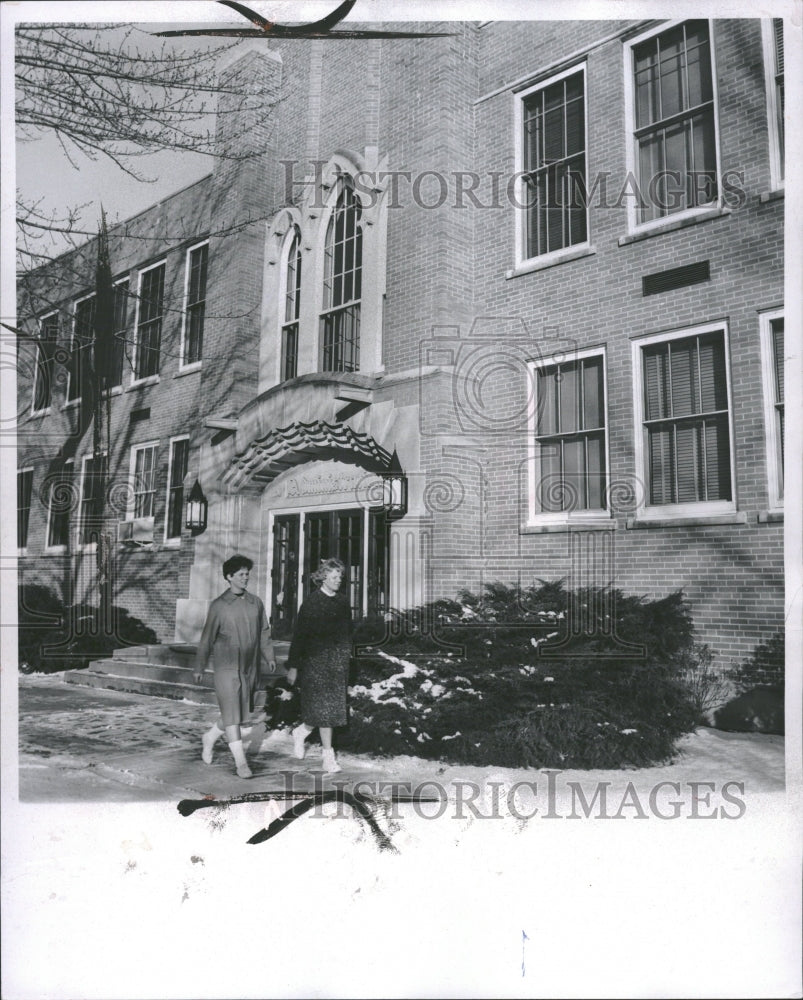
394	490
196	509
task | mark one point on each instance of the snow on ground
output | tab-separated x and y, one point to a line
136	901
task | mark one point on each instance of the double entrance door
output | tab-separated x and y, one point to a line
357	536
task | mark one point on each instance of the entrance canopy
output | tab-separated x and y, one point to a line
280	449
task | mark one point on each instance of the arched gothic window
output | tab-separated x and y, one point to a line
342	285
292	307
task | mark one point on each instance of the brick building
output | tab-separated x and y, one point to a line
536	266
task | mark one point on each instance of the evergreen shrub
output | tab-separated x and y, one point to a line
53	637
536	677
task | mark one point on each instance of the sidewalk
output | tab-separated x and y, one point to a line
78	743
89	744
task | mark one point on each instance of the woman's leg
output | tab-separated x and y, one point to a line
330	765
209	738
300	733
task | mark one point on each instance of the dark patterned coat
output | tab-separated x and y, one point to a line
320	651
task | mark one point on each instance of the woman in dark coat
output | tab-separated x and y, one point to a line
319	658
235	637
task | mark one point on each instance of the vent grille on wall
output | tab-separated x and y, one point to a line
675	277
143	414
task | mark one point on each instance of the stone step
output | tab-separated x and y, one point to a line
142	685
140	668
178	655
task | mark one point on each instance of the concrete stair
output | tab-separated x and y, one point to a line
164	671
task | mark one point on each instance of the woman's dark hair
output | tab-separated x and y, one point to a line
326	565
235	564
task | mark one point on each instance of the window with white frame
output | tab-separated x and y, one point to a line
342	284
682	404
569	457
672	109
82	337
24	491
43	373
553	164
292	307
143	479
179	452
93	489
149	322
60	504
774	82
772	349
197	258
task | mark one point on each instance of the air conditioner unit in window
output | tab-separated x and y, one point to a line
137	531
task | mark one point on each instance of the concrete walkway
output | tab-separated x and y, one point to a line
82	744
77	743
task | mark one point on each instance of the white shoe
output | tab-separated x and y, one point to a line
330	765
244	771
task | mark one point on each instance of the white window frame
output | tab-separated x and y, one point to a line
69	403
633	225
45	409
62	547
132	474
146	379
185	366
535	516
770	70
85	546
174	540
23	549
773	451
700	508
521	198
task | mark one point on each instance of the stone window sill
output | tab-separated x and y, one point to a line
738	517
541	264
590	524
674	225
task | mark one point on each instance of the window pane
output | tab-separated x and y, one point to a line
593	393
704	159
656	382
699	66
717	453
713	382
683	359
547	401
661	463
671	71
777	351
550	493
595	471
689	463
646	85
569	400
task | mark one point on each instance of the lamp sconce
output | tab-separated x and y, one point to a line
196	509
394	490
